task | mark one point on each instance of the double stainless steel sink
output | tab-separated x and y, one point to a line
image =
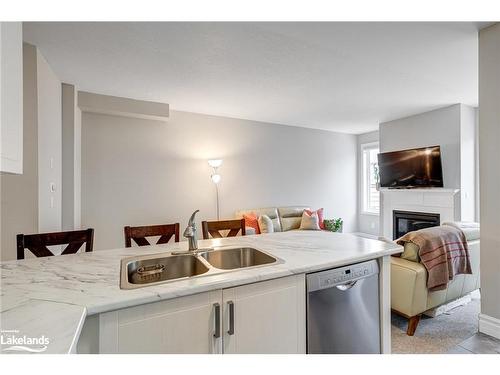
240	257
152	269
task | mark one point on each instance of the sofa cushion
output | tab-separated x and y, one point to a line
265	224
471	230
291	217
272	212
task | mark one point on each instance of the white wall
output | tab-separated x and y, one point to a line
489	140
11	97
26	204
49	147
367	223
71	158
137	171
440	127
468	162
454	129
20	192
78	169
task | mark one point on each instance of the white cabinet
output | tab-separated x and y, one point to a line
11	97
266	317
181	325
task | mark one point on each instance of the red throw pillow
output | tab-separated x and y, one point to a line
252	221
320	216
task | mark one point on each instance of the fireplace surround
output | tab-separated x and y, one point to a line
442	201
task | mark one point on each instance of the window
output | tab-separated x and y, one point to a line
370	178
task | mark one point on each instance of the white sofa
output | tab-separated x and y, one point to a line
283	218
409	294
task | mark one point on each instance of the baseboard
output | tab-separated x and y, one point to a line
489	325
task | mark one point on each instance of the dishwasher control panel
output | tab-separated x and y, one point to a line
342	275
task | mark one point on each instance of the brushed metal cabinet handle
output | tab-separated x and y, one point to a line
217	320
230	305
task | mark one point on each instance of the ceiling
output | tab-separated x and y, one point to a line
345	77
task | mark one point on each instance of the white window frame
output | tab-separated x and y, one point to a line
365	178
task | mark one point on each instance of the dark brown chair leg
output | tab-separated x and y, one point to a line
412	324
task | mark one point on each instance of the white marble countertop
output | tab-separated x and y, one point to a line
52	295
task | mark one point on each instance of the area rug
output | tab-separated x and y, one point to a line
436	335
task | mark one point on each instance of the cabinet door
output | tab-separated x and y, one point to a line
266	317
11	97
181	325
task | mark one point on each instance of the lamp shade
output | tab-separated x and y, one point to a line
215	163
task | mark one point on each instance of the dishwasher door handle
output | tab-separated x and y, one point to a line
346	286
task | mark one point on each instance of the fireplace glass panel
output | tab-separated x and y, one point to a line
407	221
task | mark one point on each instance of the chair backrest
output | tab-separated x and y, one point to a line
212	228
139	234
37	243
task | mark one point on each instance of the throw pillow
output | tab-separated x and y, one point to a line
252	222
309	221
320	217
266	224
410	252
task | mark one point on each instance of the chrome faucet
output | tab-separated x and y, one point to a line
190	233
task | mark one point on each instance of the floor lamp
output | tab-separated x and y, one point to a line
215	164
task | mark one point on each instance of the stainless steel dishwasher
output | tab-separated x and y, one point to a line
343	314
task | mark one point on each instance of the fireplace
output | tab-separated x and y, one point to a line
408	221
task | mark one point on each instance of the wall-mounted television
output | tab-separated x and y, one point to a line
418	167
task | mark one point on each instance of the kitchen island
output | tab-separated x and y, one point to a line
69	298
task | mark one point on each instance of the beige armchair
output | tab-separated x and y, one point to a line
409	294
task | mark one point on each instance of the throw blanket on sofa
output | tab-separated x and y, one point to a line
443	252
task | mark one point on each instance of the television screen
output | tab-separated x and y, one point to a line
419	167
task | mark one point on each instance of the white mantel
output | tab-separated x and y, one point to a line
445	202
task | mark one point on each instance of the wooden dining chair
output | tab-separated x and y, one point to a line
139	234
213	227
37	243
